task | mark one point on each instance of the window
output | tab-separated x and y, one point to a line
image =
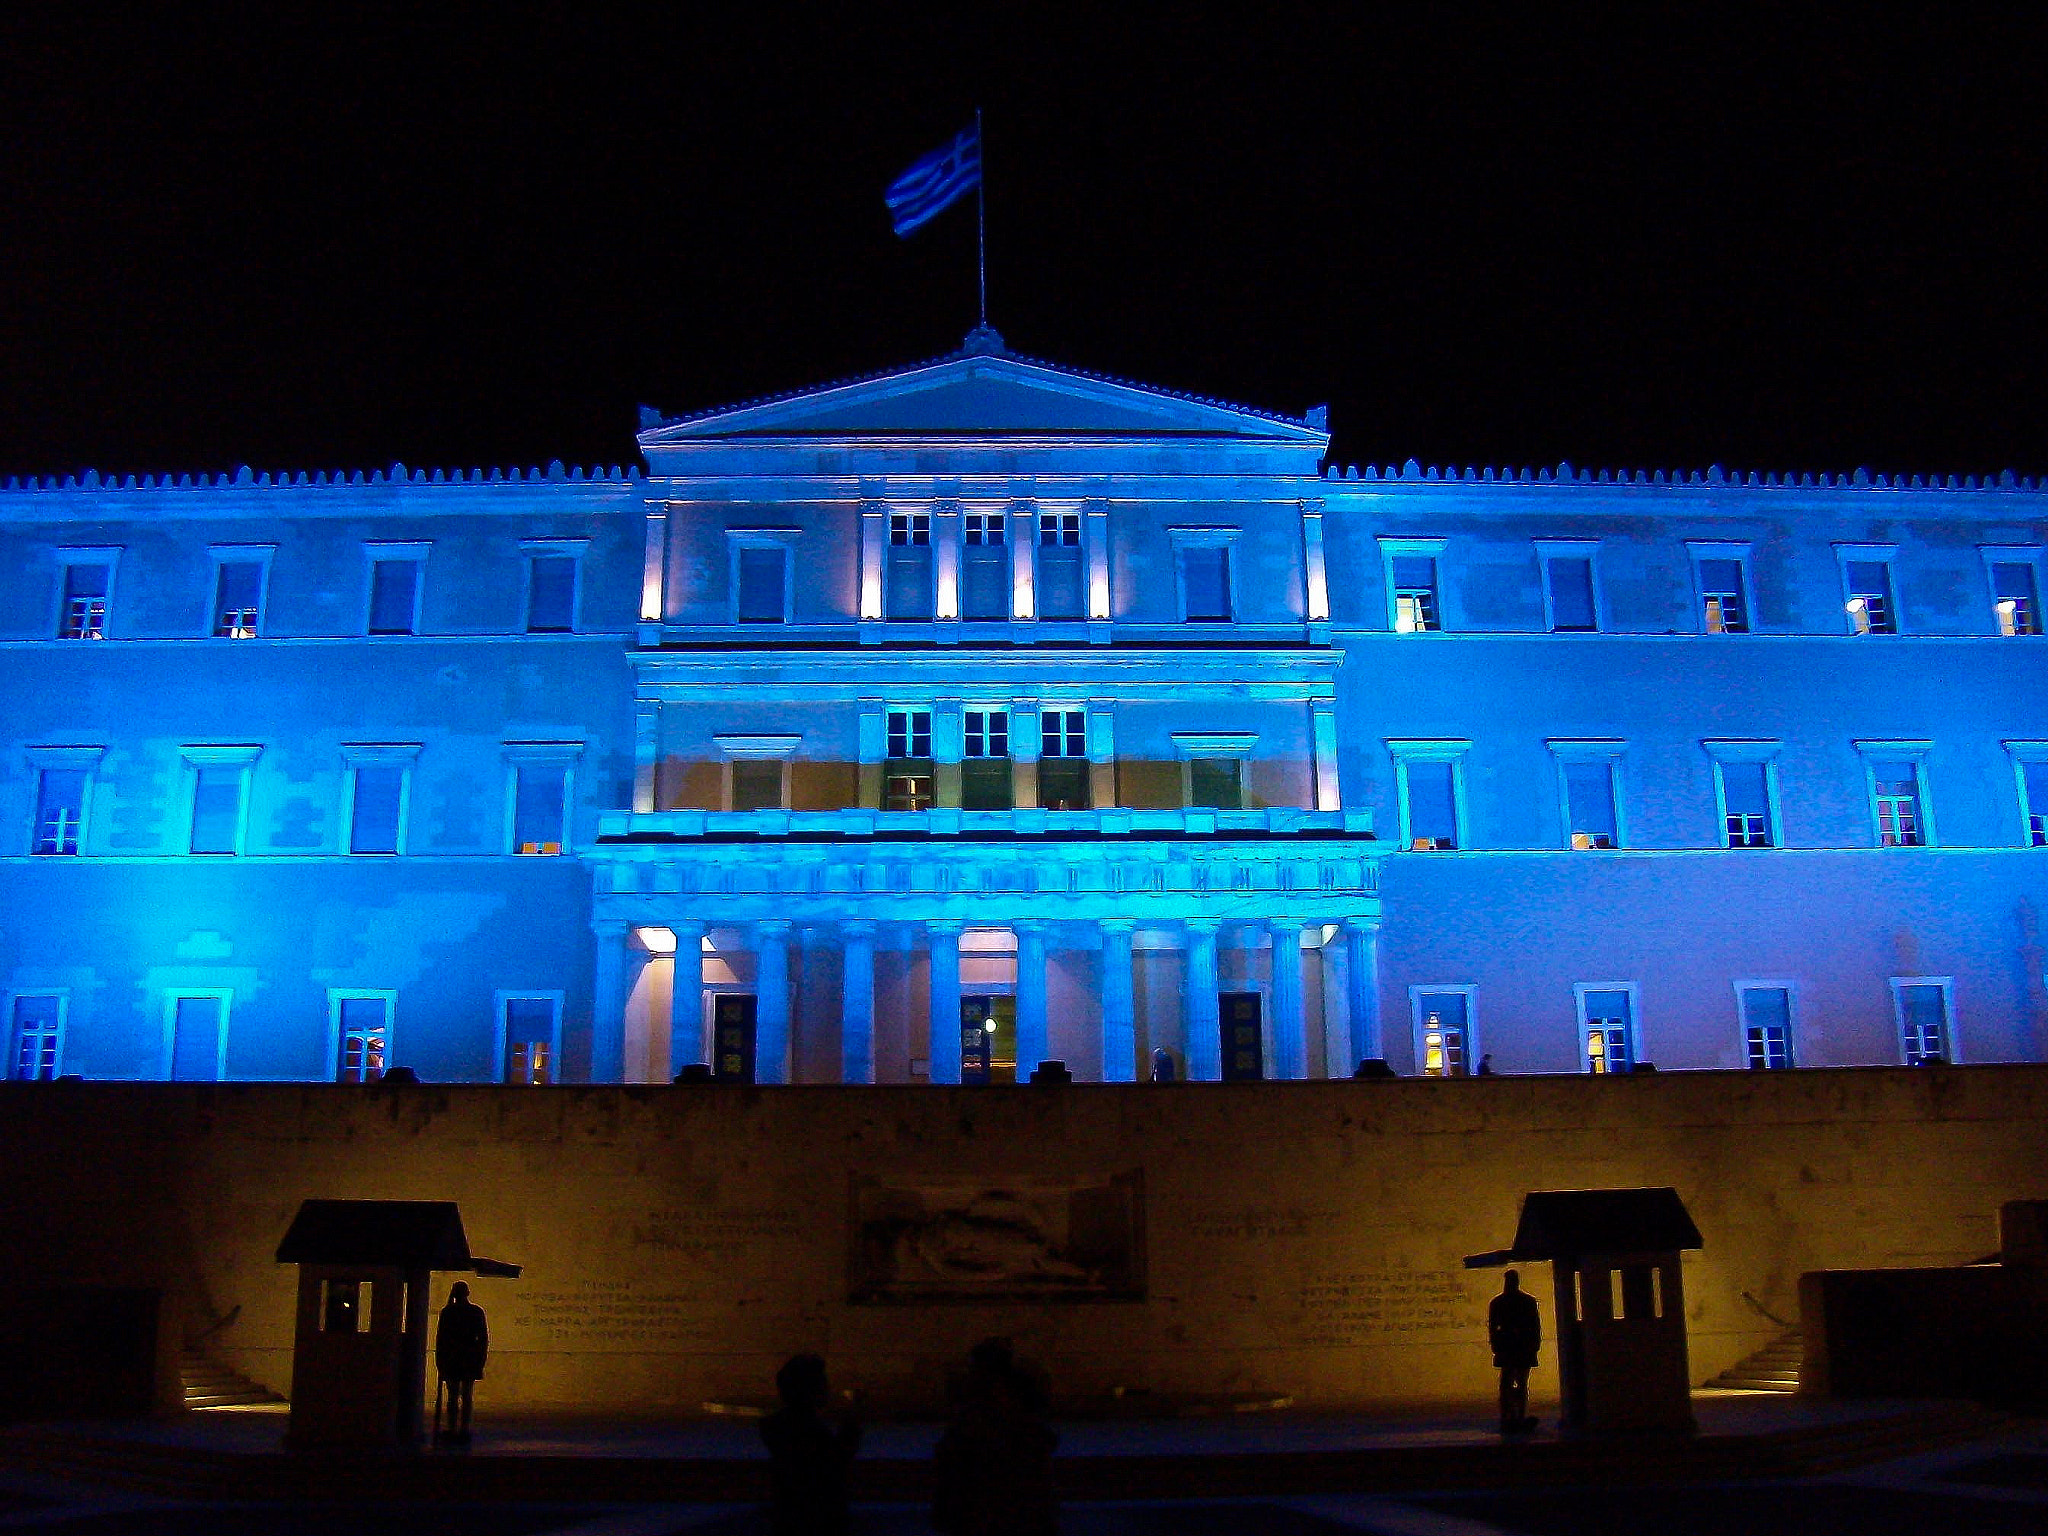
1569	602
1587	775
2015	598
1429	784
1898	792
359	1026
1202	556
36	1051
196	1035
1766	1024
1058	580
1867	588
1063	776
1921	1006
757	784
238	583
1722	574
2030	771
551	594
88	579
985	777
395	588
911	590
1216	783
1443	1030
985	571
530	1038
1059	530
60	810
541	779
1607	1025
379	788
1415	598
907	775
763	584
1746	791
219	778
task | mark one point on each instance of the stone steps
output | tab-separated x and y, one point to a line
1774	1368
209	1384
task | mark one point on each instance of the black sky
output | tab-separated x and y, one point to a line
451	237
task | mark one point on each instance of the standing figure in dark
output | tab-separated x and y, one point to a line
994	1462
1515	1329
460	1343
808	1457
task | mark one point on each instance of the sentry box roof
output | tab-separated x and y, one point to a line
400	1234
1566	1224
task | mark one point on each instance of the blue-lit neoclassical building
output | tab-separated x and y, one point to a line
929	725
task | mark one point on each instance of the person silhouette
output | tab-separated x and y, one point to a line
993	1472
461	1342
808	1458
1514	1327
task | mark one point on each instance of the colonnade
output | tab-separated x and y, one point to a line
1356	940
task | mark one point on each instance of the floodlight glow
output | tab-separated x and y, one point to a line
657	941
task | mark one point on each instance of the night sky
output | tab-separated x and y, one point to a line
482	239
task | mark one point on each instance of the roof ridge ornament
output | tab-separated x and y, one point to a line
984	341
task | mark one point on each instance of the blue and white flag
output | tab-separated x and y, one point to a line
936	182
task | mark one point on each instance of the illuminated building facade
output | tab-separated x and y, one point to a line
931	725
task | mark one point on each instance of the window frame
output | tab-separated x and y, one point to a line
501	1065
739	540
1590	749
1405	750
2028	555
1432	549
1581	990
1236	746
1952	1055
519	754
172	996
1747	984
549	548
1191	536
375	553
2023	753
1915	752
356	756
198	755
62	997
336	996
1417	991
1739	551
750	747
223	555
106	556
1722	751
1548	550
61	759
1886	555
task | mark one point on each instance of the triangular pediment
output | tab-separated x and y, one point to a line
985	393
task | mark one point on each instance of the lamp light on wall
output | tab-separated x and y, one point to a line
2008	609
1859	614
656	941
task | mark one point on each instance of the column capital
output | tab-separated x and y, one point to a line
773	927
610	927
694	927
1117	924
1361	925
1206	925
857	928
953	925
1033	925
1286	924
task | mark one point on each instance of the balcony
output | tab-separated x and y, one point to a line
994	826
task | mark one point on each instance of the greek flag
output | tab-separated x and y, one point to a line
936	182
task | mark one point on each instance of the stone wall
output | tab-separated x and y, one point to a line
1295	1237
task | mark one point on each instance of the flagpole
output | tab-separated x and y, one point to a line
981	216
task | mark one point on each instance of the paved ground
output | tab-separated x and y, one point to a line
1995	1487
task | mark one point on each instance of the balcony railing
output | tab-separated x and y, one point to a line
622	826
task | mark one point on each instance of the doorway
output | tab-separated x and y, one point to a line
732	1037
1244	1046
988	1038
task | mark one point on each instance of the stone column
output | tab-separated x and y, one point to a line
1031	1029
943	1050
1290	1030
1202	1039
857	1003
771	1001
608	1003
686	1025
1362	938
1119	1009
646	754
